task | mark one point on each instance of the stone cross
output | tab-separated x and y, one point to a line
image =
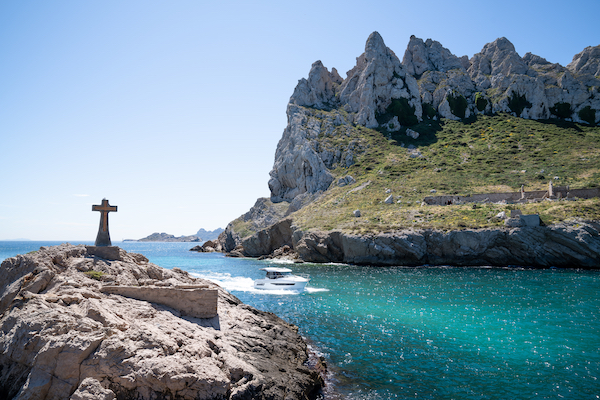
103	238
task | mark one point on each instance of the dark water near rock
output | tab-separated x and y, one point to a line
426	333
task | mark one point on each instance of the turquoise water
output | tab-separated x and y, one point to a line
426	333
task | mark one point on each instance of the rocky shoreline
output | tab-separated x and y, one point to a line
565	245
65	337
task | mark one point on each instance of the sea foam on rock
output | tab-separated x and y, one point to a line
62	337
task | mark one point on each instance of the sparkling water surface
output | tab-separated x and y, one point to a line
425	333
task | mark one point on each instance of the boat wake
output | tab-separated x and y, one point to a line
245	284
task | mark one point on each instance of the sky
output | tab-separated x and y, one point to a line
172	110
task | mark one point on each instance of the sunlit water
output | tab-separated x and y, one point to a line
426	333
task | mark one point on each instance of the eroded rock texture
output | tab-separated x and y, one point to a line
62	338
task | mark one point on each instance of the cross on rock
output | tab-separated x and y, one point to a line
103	237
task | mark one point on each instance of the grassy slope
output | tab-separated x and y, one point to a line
486	154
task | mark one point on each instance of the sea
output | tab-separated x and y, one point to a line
425	332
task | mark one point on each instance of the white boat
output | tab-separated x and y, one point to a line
281	278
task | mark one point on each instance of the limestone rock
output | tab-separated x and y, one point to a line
564	245
347	180
498	57
298	168
412	134
269	239
377	78
319	90
229	239
421	56
64	338
586	62
209	246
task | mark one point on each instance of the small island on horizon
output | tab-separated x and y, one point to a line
200	236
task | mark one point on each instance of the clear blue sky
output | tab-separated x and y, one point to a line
172	110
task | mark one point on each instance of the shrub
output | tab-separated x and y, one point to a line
428	111
97	275
480	101
588	114
399	108
562	110
518	103
458	104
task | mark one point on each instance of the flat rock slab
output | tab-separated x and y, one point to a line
197	302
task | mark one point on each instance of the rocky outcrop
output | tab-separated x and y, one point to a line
375	81
497	58
564	245
64	337
267	240
319	90
421	56
586	62
309	149
263	214
210	246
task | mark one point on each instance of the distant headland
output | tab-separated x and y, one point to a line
201	236
165	237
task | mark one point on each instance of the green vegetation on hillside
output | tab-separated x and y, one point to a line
480	155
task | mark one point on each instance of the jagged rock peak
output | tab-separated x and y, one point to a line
377	78
375	46
319	89
586	62
532	59
497	57
430	55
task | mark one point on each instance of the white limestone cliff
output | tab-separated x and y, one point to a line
377	78
586	62
430	55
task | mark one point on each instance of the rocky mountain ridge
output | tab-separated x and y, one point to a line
331	121
430	83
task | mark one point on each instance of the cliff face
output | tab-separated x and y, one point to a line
564	246
575	245
65	337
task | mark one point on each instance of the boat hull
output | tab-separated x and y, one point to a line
279	284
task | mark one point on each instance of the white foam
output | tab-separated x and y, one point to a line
245	284
315	290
